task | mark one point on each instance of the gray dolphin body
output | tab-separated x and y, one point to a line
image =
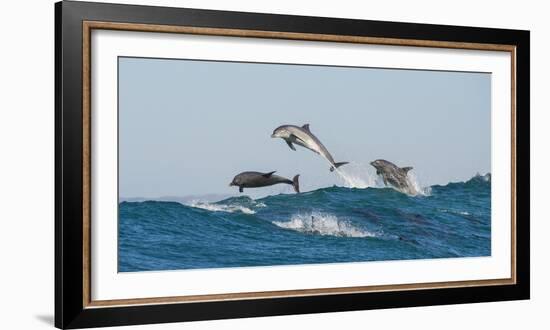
258	179
394	175
302	136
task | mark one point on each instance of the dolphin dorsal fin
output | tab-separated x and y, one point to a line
306	127
267	175
407	168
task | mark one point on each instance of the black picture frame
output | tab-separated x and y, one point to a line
70	309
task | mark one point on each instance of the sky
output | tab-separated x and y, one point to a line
187	127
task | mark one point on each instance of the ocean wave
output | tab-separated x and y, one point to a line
322	224
484	177
473	182
332	224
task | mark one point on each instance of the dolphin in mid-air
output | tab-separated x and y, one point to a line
302	136
394	175
258	179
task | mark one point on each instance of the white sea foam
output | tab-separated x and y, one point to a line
230	208
356	175
418	190
259	204
323	224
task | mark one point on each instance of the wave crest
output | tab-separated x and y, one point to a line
322	224
229	206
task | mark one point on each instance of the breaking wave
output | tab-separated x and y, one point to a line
323	224
244	205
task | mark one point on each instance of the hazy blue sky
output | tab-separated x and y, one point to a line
187	127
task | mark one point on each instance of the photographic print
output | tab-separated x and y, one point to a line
241	164
215	164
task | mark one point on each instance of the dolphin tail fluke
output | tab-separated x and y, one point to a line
295	183
336	165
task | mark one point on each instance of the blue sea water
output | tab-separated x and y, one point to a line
328	225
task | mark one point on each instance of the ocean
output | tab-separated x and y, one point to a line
328	225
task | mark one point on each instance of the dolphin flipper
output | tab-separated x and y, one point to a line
240	189
297	138
290	145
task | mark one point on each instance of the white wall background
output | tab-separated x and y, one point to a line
27	168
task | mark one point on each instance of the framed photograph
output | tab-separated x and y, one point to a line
215	164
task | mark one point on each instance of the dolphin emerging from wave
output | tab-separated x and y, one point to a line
258	179
394	175
302	136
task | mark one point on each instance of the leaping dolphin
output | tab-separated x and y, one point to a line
394	175
302	136
257	179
